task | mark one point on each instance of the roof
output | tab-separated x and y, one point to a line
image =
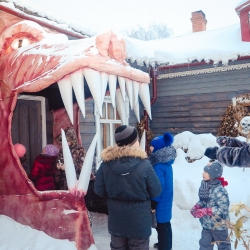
47	18
217	45
222	44
243	4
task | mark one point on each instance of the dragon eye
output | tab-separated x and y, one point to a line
20	42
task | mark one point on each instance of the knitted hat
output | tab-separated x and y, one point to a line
20	149
51	150
215	170
125	135
162	141
211	153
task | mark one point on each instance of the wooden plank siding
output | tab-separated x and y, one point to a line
196	103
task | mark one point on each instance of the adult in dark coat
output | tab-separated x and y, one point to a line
127	179
162	158
232	152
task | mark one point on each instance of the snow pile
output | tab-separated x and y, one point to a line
186	229
16	236
195	145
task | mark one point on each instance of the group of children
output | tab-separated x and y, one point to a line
48	171
212	209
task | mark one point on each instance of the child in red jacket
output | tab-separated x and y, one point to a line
43	171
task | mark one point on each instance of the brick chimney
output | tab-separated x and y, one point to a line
198	21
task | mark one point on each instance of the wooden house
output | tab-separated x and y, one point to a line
195	76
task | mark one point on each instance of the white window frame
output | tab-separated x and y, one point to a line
40	99
99	121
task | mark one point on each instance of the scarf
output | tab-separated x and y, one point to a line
205	187
163	155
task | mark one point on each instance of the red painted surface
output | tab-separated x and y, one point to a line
30	69
61	121
43	211
244	24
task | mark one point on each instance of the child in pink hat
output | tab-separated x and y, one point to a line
21	153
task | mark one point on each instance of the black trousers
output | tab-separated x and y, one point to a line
122	243
164	231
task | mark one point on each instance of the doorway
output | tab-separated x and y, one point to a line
29	126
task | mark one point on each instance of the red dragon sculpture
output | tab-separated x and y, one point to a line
31	59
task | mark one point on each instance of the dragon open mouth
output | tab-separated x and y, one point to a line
31	60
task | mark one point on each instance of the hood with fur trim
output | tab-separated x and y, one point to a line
115	152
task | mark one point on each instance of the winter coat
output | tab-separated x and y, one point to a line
127	179
162	161
219	202
77	153
235	153
43	172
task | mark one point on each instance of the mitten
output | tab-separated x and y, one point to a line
194	208
221	140
153	204
211	152
199	213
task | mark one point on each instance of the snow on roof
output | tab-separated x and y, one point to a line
217	45
243	4
48	17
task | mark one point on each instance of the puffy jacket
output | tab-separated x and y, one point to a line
43	172
127	179
162	161
219	202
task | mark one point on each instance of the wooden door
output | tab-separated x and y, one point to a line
27	128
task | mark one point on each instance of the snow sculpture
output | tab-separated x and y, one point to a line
32	59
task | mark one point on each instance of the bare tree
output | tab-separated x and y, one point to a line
154	31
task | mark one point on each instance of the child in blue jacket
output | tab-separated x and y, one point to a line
162	158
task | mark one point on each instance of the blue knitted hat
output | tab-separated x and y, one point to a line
162	141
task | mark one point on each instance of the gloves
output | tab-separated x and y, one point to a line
221	140
194	209
211	153
153	205
199	213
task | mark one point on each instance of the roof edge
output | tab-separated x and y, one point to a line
47	25
243	7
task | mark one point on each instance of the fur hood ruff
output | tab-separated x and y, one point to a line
115	152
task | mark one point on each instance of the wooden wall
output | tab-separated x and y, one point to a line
196	103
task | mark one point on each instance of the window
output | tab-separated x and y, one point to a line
107	124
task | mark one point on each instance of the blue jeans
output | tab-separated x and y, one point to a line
164	231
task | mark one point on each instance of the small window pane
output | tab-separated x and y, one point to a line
110	110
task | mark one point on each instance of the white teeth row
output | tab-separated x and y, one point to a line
97	82
78	187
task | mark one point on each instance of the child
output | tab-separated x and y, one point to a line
162	157
43	171
213	208
21	152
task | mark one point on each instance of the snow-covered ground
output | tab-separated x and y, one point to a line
186	229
